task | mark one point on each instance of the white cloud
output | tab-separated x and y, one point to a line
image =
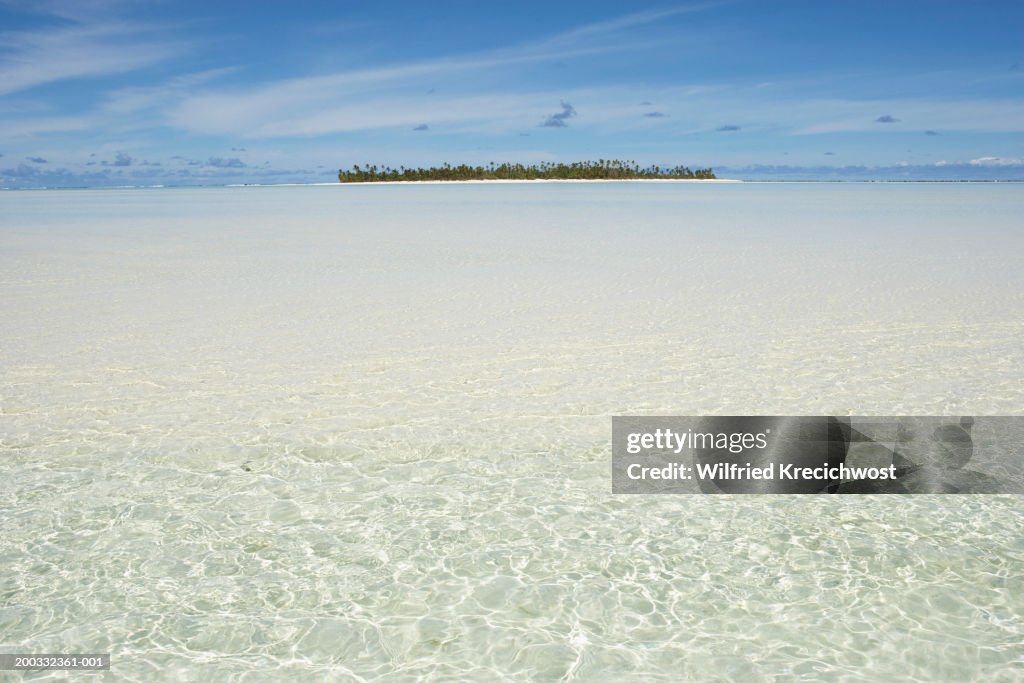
996	161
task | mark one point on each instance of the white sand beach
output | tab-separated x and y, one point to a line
366	433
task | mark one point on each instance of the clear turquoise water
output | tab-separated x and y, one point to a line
361	432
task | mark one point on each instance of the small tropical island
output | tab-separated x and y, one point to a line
602	169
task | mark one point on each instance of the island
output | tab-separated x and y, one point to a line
603	169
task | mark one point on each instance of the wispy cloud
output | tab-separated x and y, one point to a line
422	127
656	115
728	128
323	105
133	100
272	108
885	118
629	21
75	10
32	58
36	160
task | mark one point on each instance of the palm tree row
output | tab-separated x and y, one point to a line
581	170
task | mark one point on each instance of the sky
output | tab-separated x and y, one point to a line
123	92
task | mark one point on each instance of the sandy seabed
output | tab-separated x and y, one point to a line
356	432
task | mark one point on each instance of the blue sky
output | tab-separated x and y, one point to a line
114	92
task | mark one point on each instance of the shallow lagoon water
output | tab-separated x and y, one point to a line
364	431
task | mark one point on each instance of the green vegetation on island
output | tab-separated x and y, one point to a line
603	169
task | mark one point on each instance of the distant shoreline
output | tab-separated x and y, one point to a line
502	181
602	169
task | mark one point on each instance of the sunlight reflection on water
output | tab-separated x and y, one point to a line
357	431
